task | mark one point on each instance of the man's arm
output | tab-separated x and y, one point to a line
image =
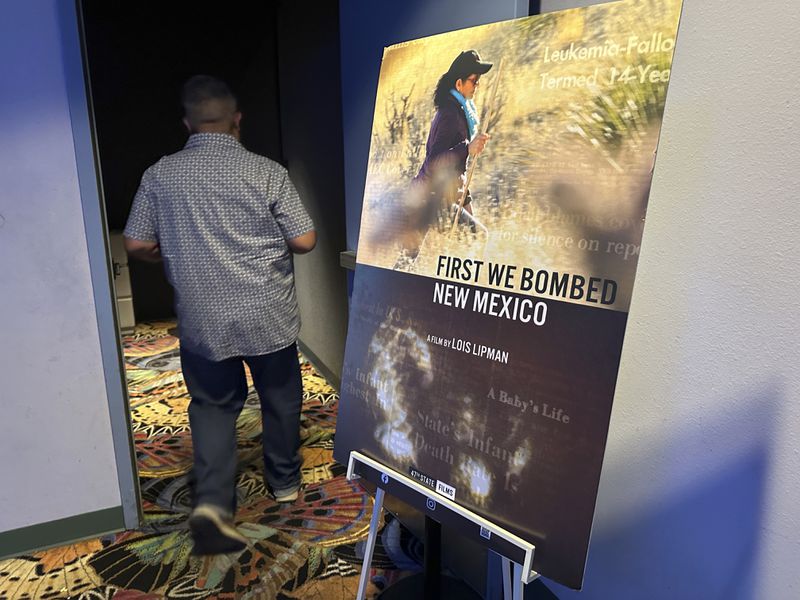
290	215
141	234
303	243
147	251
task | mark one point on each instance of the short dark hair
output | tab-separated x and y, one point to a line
207	99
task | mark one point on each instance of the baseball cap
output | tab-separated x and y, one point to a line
469	62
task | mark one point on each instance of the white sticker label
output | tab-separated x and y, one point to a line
485	533
446	490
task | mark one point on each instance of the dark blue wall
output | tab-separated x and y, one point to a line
311	133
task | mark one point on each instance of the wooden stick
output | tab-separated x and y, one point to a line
484	129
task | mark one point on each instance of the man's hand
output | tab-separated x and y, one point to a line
477	145
147	251
303	243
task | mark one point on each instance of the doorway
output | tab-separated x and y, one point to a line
137	59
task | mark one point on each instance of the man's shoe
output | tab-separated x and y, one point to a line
287	497
213	532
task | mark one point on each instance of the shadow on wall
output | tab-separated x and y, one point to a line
696	534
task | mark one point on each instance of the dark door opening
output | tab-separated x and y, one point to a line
138	57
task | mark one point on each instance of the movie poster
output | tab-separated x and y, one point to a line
486	326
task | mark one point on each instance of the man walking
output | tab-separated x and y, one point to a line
225	222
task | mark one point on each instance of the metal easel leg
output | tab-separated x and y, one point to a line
519	587
370	547
507	587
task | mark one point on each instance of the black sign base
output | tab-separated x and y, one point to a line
414	586
431	584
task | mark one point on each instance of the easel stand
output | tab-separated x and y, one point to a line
438	510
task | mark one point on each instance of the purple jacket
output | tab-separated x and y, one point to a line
446	153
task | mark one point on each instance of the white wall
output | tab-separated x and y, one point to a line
57	455
700	493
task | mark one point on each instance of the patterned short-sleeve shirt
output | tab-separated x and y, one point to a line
221	216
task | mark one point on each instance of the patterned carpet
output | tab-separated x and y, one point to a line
310	550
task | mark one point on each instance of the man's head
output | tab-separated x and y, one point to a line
209	106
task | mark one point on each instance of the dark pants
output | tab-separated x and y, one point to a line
218	391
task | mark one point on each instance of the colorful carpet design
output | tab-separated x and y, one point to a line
309	550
